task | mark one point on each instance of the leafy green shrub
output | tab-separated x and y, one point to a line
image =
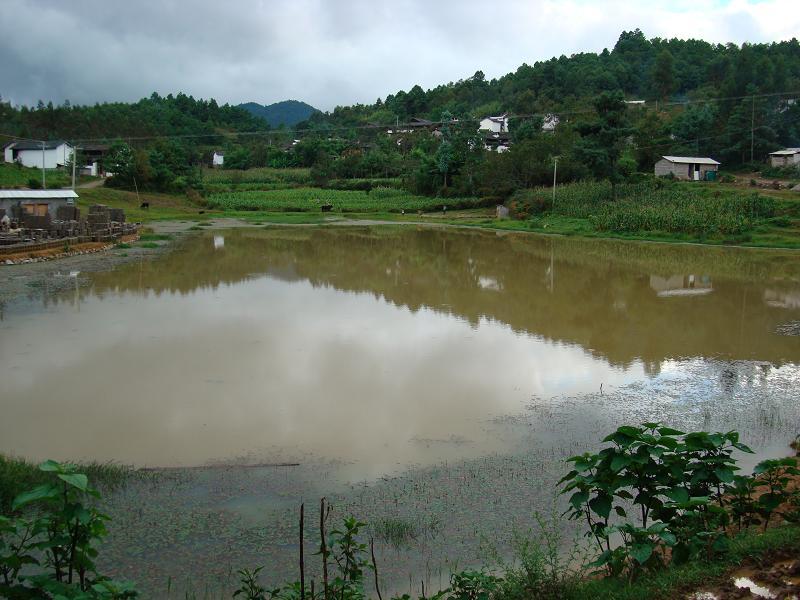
50	552
675	481
685	492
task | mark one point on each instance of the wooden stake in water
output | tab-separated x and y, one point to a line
302	562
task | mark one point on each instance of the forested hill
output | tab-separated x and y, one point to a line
287	112
153	116
655	69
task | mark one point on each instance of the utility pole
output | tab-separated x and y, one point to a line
44	183
555	171
752	127
74	160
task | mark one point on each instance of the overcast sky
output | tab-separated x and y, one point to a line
328	52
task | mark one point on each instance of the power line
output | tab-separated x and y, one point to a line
395	126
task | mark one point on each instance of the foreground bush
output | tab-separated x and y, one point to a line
49	551
672	497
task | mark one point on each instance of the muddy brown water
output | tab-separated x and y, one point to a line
439	376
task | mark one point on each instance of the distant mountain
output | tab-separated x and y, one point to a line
288	112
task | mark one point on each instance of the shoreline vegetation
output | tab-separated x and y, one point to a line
665	514
652	210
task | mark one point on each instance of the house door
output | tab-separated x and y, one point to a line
697	172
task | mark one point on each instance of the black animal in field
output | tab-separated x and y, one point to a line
145	205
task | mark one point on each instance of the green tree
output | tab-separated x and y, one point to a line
603	138
238	158
663	74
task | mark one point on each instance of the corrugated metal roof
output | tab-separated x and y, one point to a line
699	160
37	194
785	152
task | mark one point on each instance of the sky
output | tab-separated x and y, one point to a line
328	52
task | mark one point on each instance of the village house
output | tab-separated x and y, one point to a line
497	124
56	153
497	142
788	157
413	124
91	156
550	122
36	202
218	158
690	168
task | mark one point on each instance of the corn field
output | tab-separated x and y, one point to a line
653	206
257	175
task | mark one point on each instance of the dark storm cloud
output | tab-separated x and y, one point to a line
326	52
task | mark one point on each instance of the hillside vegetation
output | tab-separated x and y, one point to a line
287	113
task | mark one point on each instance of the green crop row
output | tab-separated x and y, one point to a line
651	206
257	175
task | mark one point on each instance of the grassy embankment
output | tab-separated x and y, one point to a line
709	213
18	177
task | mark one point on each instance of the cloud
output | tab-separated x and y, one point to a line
328	52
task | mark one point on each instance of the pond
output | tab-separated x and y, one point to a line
437	376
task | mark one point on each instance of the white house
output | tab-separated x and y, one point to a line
37	202
550	122
56	153
218	159
788	157
497	124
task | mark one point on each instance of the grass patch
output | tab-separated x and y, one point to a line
123	246
312	199
13	176
18	475
148	245
395	531
260	175
675	581
154	237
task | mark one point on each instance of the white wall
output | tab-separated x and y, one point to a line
9	154
52	157
218	160
488	124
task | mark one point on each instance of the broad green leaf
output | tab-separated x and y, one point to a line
76	480
679	495
619	462
668	538
46	491
51	466
724	475
670	431
770	501
601	505
641	552
578	498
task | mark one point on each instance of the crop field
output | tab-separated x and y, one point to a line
654	206
312	199
257	175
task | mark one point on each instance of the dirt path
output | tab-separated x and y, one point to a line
91	184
